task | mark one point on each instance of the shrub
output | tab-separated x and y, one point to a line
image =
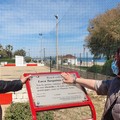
95	69
8	60
106	69
21	111
27	59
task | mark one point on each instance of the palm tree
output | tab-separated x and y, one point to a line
1	47
9	49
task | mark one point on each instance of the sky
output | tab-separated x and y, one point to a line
31	24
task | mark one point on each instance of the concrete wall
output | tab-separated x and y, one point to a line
20	96
19	60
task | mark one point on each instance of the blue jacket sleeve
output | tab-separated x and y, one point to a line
7	86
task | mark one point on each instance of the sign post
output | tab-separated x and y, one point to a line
46	91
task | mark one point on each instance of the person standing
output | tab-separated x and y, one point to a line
110	88
14	85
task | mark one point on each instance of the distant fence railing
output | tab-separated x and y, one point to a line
82	73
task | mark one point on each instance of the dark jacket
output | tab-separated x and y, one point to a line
111	88
7	86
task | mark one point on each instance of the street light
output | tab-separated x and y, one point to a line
84	53
56	16
44	54
40	34
29	52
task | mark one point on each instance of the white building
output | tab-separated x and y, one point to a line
19	60
69	59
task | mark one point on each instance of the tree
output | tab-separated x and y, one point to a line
9	49
20	52
1	47
104	33
3	53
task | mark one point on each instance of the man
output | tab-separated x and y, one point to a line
15	85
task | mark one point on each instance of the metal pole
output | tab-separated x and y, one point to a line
41	45
84	54
29	52
80	62
87	59
50	64
44	53
56	16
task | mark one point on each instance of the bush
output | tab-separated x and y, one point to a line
106	69
21	111
27	59
95	69
7	60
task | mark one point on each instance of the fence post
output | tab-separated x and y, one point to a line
50	64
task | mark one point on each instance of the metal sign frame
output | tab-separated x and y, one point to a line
35	109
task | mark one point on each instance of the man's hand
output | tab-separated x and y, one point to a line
24	79
67	77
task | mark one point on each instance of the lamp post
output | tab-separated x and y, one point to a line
40	34
44	54
56	16
84	53
29	52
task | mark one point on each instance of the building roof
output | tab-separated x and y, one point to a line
69	56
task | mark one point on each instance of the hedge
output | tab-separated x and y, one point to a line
21	111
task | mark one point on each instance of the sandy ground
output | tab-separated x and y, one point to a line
12	73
